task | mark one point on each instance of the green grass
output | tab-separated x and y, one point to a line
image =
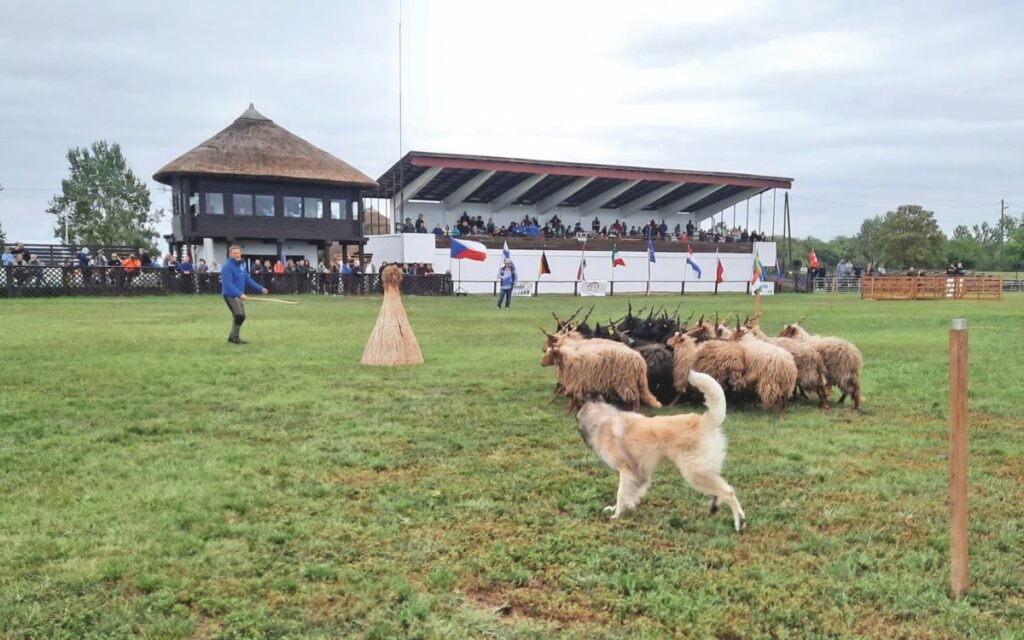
158	482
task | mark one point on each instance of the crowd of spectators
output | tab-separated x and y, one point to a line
554	227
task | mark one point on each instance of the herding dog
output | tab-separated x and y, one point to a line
635	445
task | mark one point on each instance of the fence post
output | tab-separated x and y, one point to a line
682	288
959	573
716	287
576	288
536	288
611	288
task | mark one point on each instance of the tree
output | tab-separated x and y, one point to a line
866	242
1015	247
102	202
910	237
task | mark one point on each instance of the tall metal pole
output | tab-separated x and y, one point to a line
775	193
401	165
1002	213
759	201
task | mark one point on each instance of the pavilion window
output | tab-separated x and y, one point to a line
265	206
241	204
193	204
313	207
355	210
337	209
292	207
214	203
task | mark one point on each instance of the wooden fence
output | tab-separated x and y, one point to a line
931	288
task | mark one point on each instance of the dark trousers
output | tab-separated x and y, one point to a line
237	315
507	295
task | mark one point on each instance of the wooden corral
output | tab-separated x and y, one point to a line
931	288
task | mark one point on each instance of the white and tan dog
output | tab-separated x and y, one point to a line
635	445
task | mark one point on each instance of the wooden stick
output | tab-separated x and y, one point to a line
757	302
248	298
959	574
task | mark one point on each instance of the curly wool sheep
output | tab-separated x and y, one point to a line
842	360
771	371
587	369
810	366
723	360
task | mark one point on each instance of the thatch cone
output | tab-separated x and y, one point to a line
392	343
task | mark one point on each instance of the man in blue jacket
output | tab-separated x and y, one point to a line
233	280
507	276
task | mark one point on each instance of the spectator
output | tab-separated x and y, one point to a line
507	277
214	267
23	252
663	229
595	226
490	226
145	261
8	257
278	267
257	268
455	232
689	228
84	262
438	231
407	226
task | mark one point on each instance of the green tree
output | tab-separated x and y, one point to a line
910	236
102	202
866	242
965	249
1015	247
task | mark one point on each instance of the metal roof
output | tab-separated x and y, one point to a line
696	191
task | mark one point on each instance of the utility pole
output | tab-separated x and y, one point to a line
1002	213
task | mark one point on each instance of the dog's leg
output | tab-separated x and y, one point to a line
631	489
713	484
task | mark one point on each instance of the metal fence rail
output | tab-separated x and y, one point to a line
39	282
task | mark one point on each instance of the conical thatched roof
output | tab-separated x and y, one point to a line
254	147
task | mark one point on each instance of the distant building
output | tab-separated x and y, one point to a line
257	185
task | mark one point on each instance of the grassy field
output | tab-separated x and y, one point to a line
158	482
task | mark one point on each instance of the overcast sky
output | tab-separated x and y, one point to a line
867	105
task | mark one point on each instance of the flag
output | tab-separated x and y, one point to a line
720	276
778	273
691	262
650	248
616	260
812	259
583	263
759	274
544	268
469	250
505	252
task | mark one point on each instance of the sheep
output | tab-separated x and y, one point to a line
770	370
660	377
842	359
810	366
586	368
721	359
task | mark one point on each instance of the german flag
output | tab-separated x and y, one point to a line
544	268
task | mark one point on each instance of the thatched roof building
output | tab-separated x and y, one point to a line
253	146
258	185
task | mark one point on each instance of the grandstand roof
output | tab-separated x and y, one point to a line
500	182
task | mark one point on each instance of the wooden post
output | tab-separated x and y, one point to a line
835	285
757	302
960	576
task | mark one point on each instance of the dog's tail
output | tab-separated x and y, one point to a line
714	398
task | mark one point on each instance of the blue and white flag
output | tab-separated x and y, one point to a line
689	261
650	248
505	252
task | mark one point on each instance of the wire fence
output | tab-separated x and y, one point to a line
38	282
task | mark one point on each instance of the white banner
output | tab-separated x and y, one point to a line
524	289
593	288
766	288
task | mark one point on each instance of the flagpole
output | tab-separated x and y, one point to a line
648	275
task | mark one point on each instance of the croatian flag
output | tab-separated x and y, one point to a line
468	250
690	261
505	252
720	275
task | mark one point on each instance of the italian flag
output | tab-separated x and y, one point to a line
616	260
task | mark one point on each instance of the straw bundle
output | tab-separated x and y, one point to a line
392	343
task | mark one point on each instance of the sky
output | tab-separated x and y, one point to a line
866	105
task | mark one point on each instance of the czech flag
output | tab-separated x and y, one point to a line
812	259
720	275
690	261
468	250
616	260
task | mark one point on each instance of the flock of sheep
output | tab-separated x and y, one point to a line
638	360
